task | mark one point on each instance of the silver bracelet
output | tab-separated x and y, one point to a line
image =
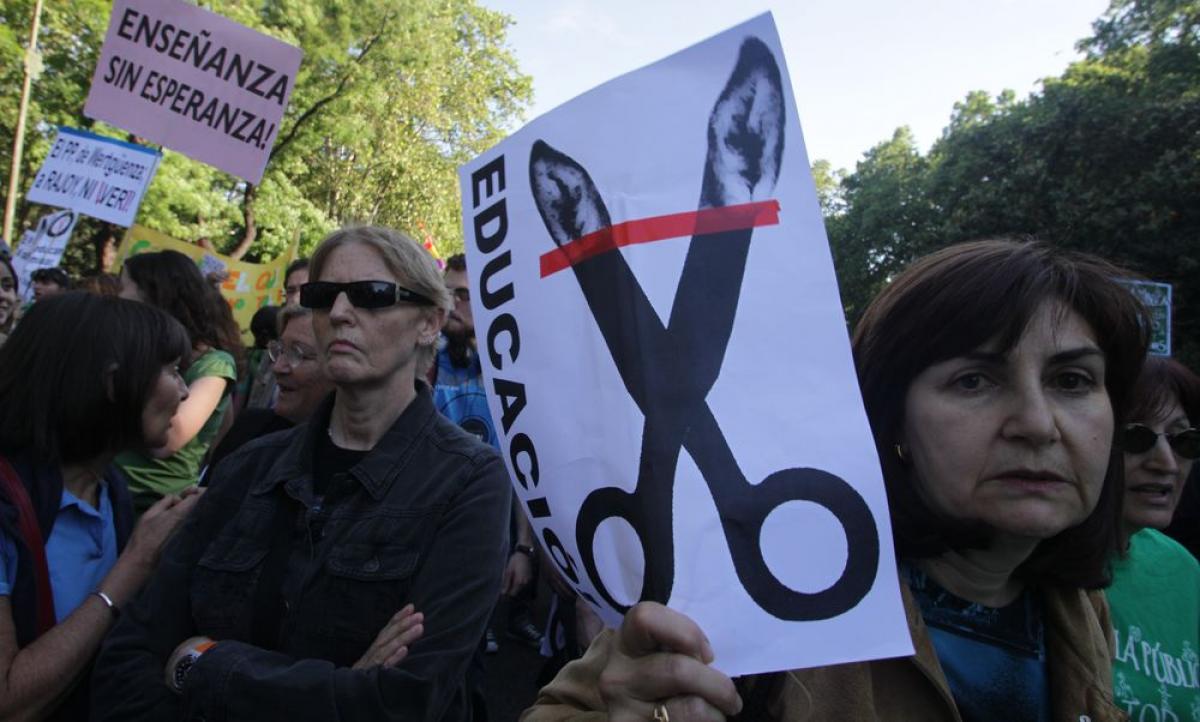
108	602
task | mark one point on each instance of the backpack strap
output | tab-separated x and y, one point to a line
31	534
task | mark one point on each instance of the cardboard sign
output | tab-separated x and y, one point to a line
42	247
667	361
1157	297
249	286
100	177
195	82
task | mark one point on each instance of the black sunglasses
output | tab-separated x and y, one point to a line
1139	438
320	295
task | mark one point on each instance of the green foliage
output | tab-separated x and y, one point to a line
390	99
1144	23
1104	159
885	219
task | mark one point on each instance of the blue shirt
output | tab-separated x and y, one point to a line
458	393
80	552
994	658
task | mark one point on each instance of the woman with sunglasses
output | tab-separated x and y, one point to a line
993	375
1155	594
291	595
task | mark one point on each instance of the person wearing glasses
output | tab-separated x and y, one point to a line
301	385
343	569
1155	594
994	375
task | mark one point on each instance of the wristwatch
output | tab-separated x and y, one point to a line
184	658
526	550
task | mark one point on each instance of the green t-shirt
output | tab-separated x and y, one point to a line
151	478
1155	601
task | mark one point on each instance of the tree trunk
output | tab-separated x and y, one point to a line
251	231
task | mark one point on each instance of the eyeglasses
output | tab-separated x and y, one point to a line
320	295
293	354
462	294
1139	438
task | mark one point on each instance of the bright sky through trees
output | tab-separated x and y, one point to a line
860	68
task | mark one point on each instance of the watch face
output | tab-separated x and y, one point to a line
181	669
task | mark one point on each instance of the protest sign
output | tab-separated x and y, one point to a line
672	379
248	287
195	82
42	247
1157	297
100	177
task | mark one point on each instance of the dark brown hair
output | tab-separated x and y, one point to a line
1163	380
76	373
171	281
952	302
457	262
104	284
300	264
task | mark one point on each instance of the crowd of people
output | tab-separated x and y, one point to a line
319	527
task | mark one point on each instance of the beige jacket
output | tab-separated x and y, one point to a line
1078	651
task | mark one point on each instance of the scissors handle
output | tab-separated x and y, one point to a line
744	514
648	511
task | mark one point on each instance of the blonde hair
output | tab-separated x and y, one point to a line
408	262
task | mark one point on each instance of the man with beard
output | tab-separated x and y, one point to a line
458	392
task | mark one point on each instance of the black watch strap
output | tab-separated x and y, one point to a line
526	550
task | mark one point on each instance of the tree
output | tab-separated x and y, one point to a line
1144	23
1104	159
885	221
390	98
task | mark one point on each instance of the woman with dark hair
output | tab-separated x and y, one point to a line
290	594
171	281
1155	594
10	299
993	374
81	379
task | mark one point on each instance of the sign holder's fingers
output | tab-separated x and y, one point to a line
650	627
667	676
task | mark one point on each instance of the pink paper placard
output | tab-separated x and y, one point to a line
195	82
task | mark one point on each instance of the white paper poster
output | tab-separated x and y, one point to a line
42	247
668	365
100	177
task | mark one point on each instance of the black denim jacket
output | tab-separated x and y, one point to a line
423	518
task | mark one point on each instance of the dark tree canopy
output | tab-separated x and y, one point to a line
1104	159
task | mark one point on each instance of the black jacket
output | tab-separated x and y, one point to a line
422	518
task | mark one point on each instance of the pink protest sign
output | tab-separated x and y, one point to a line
195	82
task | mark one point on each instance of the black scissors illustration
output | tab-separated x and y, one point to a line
668	371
